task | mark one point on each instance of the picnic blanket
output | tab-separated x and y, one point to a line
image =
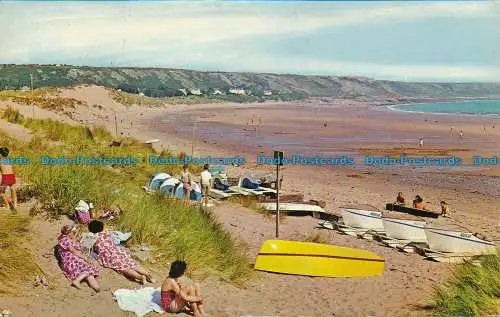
140	301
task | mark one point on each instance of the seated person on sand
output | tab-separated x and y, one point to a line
74	264
418	203
116	257
444	208
400	200
177	291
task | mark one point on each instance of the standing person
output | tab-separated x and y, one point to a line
177	291
74	264
421	142
206	183
186	181
461	134
117	257
8	180
444	208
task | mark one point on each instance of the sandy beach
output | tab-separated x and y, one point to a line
310	128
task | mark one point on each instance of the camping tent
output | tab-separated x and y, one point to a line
168	186
157	180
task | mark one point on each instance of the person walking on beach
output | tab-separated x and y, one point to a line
8	180
206	183
186	182
461	135
421	143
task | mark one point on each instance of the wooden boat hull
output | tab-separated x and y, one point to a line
405	229
457	242
290	207
314	259
364	219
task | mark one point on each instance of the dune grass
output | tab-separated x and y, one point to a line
17	265
46	98
173	229
472	291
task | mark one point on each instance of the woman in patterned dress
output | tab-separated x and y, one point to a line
75	265
116	257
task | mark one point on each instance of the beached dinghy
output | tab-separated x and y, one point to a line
314	259
290	207
444	240
365	219
404	229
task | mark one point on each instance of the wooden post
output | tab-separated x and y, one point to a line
277	201
116	125
278	157
32	95
193	140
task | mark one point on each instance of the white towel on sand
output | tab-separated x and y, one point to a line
140	301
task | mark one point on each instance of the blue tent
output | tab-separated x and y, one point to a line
195	193
157	180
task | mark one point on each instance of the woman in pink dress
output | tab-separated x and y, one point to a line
116	257
75	265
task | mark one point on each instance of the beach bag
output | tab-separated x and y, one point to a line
83	212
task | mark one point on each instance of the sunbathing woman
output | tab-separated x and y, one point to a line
75	265
116	257
178	291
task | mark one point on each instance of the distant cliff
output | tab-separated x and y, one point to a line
163	82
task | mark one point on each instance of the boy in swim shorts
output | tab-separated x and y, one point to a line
8	179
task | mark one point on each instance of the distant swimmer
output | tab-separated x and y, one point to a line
421	142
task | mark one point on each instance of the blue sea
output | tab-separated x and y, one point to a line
471	107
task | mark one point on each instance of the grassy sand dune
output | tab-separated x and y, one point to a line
173	229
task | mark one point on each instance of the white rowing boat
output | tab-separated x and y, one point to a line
359	218
290	207
404	229
444	240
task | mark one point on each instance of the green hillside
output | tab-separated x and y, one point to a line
162	82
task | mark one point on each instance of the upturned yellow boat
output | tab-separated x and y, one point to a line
315	259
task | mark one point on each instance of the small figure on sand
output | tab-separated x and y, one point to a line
484	129
186	182
461	135
418	203
400	199
116	257
8	180
421	142
75	265
325	124
444	208
178	291
451	130
206	183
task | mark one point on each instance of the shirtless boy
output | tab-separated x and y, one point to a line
8	179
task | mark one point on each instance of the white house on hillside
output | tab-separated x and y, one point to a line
184	92
217	92
195	91
268	93
237	91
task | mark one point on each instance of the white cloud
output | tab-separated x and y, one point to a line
179	33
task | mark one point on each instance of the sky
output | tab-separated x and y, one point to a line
443	41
